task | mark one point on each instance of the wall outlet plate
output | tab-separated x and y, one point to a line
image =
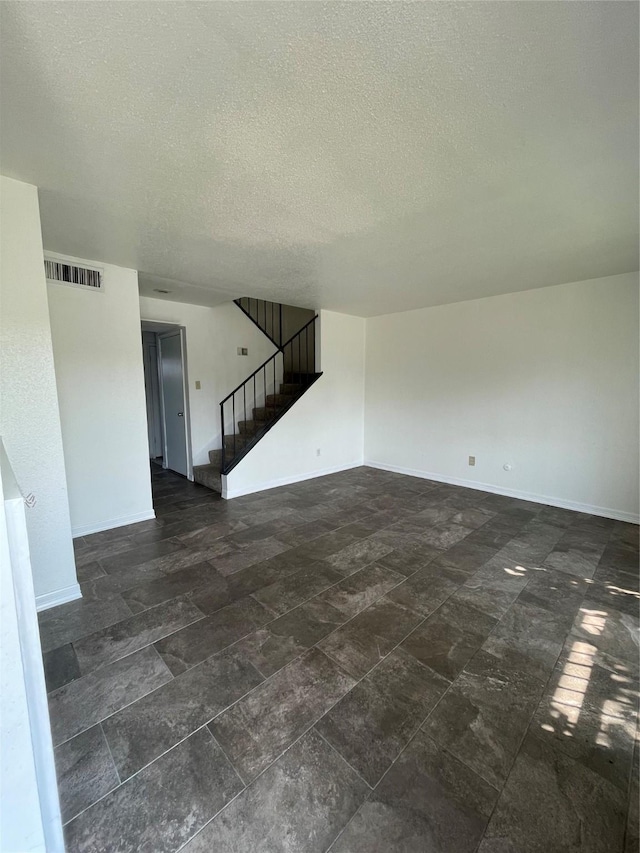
472	460
243	351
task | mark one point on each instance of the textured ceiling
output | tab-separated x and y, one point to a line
361	157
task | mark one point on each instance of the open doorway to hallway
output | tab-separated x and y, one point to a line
166	389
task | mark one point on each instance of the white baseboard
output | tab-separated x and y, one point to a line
60	596
86	529
228	494
605	512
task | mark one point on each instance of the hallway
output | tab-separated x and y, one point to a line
362	662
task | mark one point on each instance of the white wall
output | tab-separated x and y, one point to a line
545	380
328	417
29	805
213	338
97	348
29	416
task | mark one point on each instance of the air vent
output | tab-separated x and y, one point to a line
62	272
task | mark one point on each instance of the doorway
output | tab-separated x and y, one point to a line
166	389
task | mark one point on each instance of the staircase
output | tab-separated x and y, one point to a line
249	411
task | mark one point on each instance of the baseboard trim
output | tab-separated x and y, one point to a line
86	529
605	512
229	494
60	596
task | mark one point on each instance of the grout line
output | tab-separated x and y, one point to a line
338	753
224	752
402	579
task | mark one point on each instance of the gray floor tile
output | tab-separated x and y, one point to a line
555	591
330	543
374	721
528	638
632	833
272	647
484	717
66	623
445	535
466	556
617	595
299	804
82	703
494	587
428	588
167	587
60	667
89	571
406	561
117	641
141	732
207	535
360	589
249	555
550	577
297	588
187	647
590	711
428	801
85	772
357	556
449	638
608	630
258	728
551	802
575	561
360	644
163	806
124	560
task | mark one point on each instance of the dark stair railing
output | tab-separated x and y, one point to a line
257	403
266	315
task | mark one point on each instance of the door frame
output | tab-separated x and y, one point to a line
181	330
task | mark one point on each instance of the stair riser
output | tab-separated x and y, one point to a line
265	413
297	378
278	399
248	428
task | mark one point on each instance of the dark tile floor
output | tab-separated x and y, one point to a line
363	662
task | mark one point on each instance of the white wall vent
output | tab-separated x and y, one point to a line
61	271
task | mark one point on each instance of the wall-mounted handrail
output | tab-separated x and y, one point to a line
295	358
271	357
252	311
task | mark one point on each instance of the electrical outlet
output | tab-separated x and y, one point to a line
318	452
197	385
472	460
243	351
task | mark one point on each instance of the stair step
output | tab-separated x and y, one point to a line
290	387
264	413
209	476
232	447
249	427
215	457
278	399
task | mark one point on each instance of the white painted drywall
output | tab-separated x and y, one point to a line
29	416
97	348
545	381
29	806
329	417
213	338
